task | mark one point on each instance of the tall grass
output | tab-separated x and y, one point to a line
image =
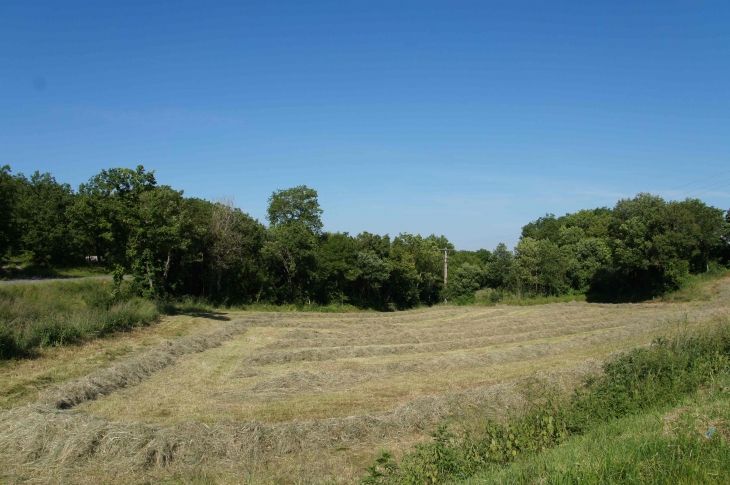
192	304
632	383
490	297
59	313
675	448
696	287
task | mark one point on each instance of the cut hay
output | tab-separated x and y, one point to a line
126	374
41	436
311	398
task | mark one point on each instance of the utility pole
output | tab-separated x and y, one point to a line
446	263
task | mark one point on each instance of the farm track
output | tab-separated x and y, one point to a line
313	396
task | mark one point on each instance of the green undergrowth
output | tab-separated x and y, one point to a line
490	297
196	304
698	287
58	313
682	444
541	300
693	288
633	383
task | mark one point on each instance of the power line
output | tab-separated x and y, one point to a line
704	187
716	188
698	181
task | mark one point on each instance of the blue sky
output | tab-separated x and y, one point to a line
467	119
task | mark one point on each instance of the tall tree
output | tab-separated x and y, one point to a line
159	235
295	227
499	271
8	192
295	206
40	217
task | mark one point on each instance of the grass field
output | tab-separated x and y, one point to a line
232	397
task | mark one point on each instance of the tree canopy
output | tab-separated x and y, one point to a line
175	245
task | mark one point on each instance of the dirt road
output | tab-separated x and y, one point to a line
45	280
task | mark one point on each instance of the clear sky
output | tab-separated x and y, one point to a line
467	119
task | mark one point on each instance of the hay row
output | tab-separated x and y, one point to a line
307	382
478	325
438	316
134	371
41	436
334	353
474	330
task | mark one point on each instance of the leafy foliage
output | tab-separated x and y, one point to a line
177	246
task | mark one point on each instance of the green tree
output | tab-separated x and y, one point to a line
527	265
372	275
40	219
106	209
336	267
159	236
499	272
584	259
295	226
546	227
295	206
704	225
553	266
292	252
415	270
540	266
464	281
8	193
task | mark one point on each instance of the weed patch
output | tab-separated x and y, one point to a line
60	313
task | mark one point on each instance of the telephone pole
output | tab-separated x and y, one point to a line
446	263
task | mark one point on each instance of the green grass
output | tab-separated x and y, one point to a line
698	287
634	384
489	297
13	271
189	304
668	445
541	300
59	313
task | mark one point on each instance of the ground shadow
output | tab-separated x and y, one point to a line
193	312
609	287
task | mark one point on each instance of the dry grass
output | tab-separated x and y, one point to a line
130	373
301	398
21	380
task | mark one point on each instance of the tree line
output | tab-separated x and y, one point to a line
174	246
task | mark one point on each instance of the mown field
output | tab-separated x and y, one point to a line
232	397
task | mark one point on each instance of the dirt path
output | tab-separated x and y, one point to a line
46	280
